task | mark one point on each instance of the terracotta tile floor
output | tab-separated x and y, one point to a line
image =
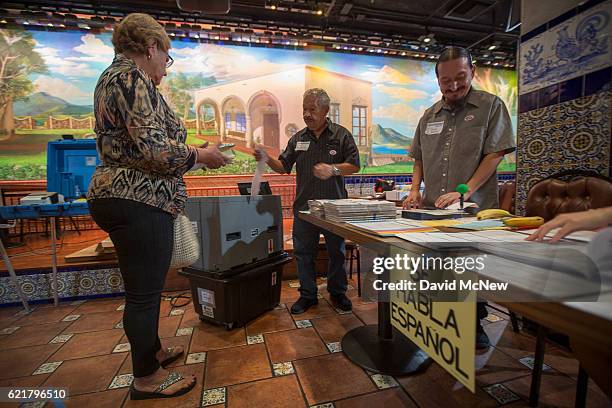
277	360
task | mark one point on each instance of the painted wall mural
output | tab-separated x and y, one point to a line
237	94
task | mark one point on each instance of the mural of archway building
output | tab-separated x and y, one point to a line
268	109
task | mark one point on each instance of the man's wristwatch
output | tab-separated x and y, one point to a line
336	171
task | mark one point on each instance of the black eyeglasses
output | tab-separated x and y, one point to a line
169	61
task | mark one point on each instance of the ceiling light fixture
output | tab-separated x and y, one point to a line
428	39
494	45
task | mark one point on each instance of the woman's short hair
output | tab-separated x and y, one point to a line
137	32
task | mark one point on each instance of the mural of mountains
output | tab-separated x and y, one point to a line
43	104
388	136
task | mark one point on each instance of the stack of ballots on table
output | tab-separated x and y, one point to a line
316	207
359	210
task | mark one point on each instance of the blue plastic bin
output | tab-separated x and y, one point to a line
70	165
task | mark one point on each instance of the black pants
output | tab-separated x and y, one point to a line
143	237
305	248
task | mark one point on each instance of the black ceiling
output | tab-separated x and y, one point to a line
391	25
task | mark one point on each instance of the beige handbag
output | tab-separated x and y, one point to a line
186	250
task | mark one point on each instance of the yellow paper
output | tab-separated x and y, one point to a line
441	223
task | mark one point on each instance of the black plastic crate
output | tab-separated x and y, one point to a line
235	300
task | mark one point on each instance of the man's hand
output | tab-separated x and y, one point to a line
323	171
571	222
260	154
212	157
447	199
413	200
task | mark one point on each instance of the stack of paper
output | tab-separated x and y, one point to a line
490	237
359	210
387	228
581	236
425	214
316	207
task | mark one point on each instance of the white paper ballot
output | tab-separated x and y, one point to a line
198	166
581	236
463	237
261	166
457	205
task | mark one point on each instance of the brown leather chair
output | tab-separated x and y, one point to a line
507	196
564	192
568	192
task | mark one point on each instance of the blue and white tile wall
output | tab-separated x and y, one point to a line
567	49
73	283
565	97
356	183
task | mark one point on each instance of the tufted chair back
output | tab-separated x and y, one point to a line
568	192
507	196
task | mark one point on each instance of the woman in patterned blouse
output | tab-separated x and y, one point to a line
138	189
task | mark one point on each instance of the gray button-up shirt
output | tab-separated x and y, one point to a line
451	143
335	145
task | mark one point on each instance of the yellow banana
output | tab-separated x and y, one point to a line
492	213
520	222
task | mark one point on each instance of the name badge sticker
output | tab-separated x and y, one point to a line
434	128
302	146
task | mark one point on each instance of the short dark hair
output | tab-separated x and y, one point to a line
452	53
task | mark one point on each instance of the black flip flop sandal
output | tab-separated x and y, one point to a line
171	379
172	359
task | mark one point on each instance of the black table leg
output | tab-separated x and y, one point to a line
582	388
377	348
538	366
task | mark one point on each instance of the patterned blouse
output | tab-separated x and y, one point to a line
140	140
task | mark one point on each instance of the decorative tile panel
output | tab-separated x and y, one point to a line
283	369
47	368
302	324
71	283
122	347
185	331
578	46
384	381
256	339
213	396
501	394
121	381
62	338
566	136
195	358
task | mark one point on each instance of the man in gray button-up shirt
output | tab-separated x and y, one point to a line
460	139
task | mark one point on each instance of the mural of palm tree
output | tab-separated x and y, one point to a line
18	59
177	88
